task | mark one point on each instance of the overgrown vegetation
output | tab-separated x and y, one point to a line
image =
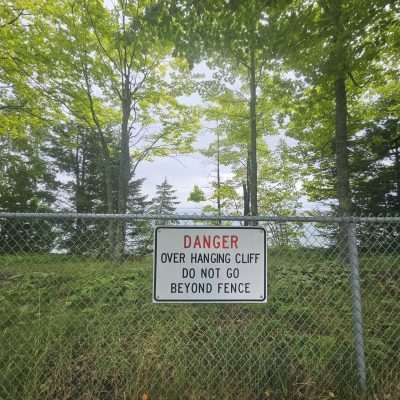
76	328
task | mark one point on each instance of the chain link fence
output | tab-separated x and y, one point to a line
77	319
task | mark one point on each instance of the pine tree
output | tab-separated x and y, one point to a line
164	203
375	170
139	231
75	154
27	184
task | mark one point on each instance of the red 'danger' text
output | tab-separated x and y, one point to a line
210	241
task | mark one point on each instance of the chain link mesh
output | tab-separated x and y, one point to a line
77	319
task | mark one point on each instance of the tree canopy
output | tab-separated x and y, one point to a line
298	101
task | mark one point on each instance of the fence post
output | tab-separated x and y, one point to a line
356	306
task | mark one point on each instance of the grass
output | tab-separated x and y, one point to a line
76	328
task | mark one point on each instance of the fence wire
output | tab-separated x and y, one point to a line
77	319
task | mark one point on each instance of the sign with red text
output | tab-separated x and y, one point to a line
210	264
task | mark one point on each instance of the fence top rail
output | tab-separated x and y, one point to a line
201	217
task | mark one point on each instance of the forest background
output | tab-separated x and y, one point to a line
248	108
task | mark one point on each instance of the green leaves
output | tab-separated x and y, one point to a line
196	195
121	71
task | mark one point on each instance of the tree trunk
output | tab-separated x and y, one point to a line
246	210
342	161
397	170
342	153
108	184
105	160
253	135
218	179
80	175
124	162
124	170
246	188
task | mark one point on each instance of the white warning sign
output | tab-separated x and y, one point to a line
210	265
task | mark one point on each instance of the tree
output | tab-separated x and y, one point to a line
237	37
335	48
27	180
20	107
229	120
27	184
165	201
196	195
139	231
20	103
227	110
106	70
77	157
334	58
375	171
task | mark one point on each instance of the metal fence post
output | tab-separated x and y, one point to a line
356	306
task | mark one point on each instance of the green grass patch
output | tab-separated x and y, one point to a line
73	328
